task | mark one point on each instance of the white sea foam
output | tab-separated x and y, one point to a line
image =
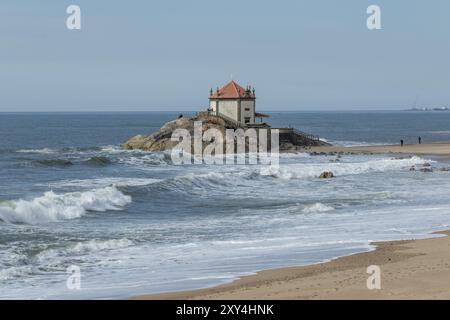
313	170
112	149
100	245
41	151
145	160
54	207
103	182
289	155
14	272
317	207
58	256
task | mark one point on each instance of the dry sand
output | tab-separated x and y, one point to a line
416	269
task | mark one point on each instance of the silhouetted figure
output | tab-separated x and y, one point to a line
420	140
401	142
180	116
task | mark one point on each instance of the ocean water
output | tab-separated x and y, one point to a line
135	223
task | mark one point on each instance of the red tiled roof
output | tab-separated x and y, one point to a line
232	91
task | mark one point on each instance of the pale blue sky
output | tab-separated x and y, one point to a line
166	55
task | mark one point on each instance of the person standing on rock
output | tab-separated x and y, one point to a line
401	142
420	140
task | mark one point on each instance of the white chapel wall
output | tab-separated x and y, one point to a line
229	109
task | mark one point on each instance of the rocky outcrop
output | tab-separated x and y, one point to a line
161	140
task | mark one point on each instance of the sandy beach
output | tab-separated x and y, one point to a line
414	269
435	149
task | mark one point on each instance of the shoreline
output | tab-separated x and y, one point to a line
410	269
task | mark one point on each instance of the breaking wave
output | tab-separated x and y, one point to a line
98	161
114	149
103	182
313	170
40	151
148	160
203	181
53	207
80	149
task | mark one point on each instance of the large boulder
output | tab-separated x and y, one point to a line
326	175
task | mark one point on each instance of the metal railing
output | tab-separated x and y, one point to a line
306	135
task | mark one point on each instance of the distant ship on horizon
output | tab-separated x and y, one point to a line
429	109
416	108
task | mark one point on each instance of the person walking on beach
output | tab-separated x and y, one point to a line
401	142
420	140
